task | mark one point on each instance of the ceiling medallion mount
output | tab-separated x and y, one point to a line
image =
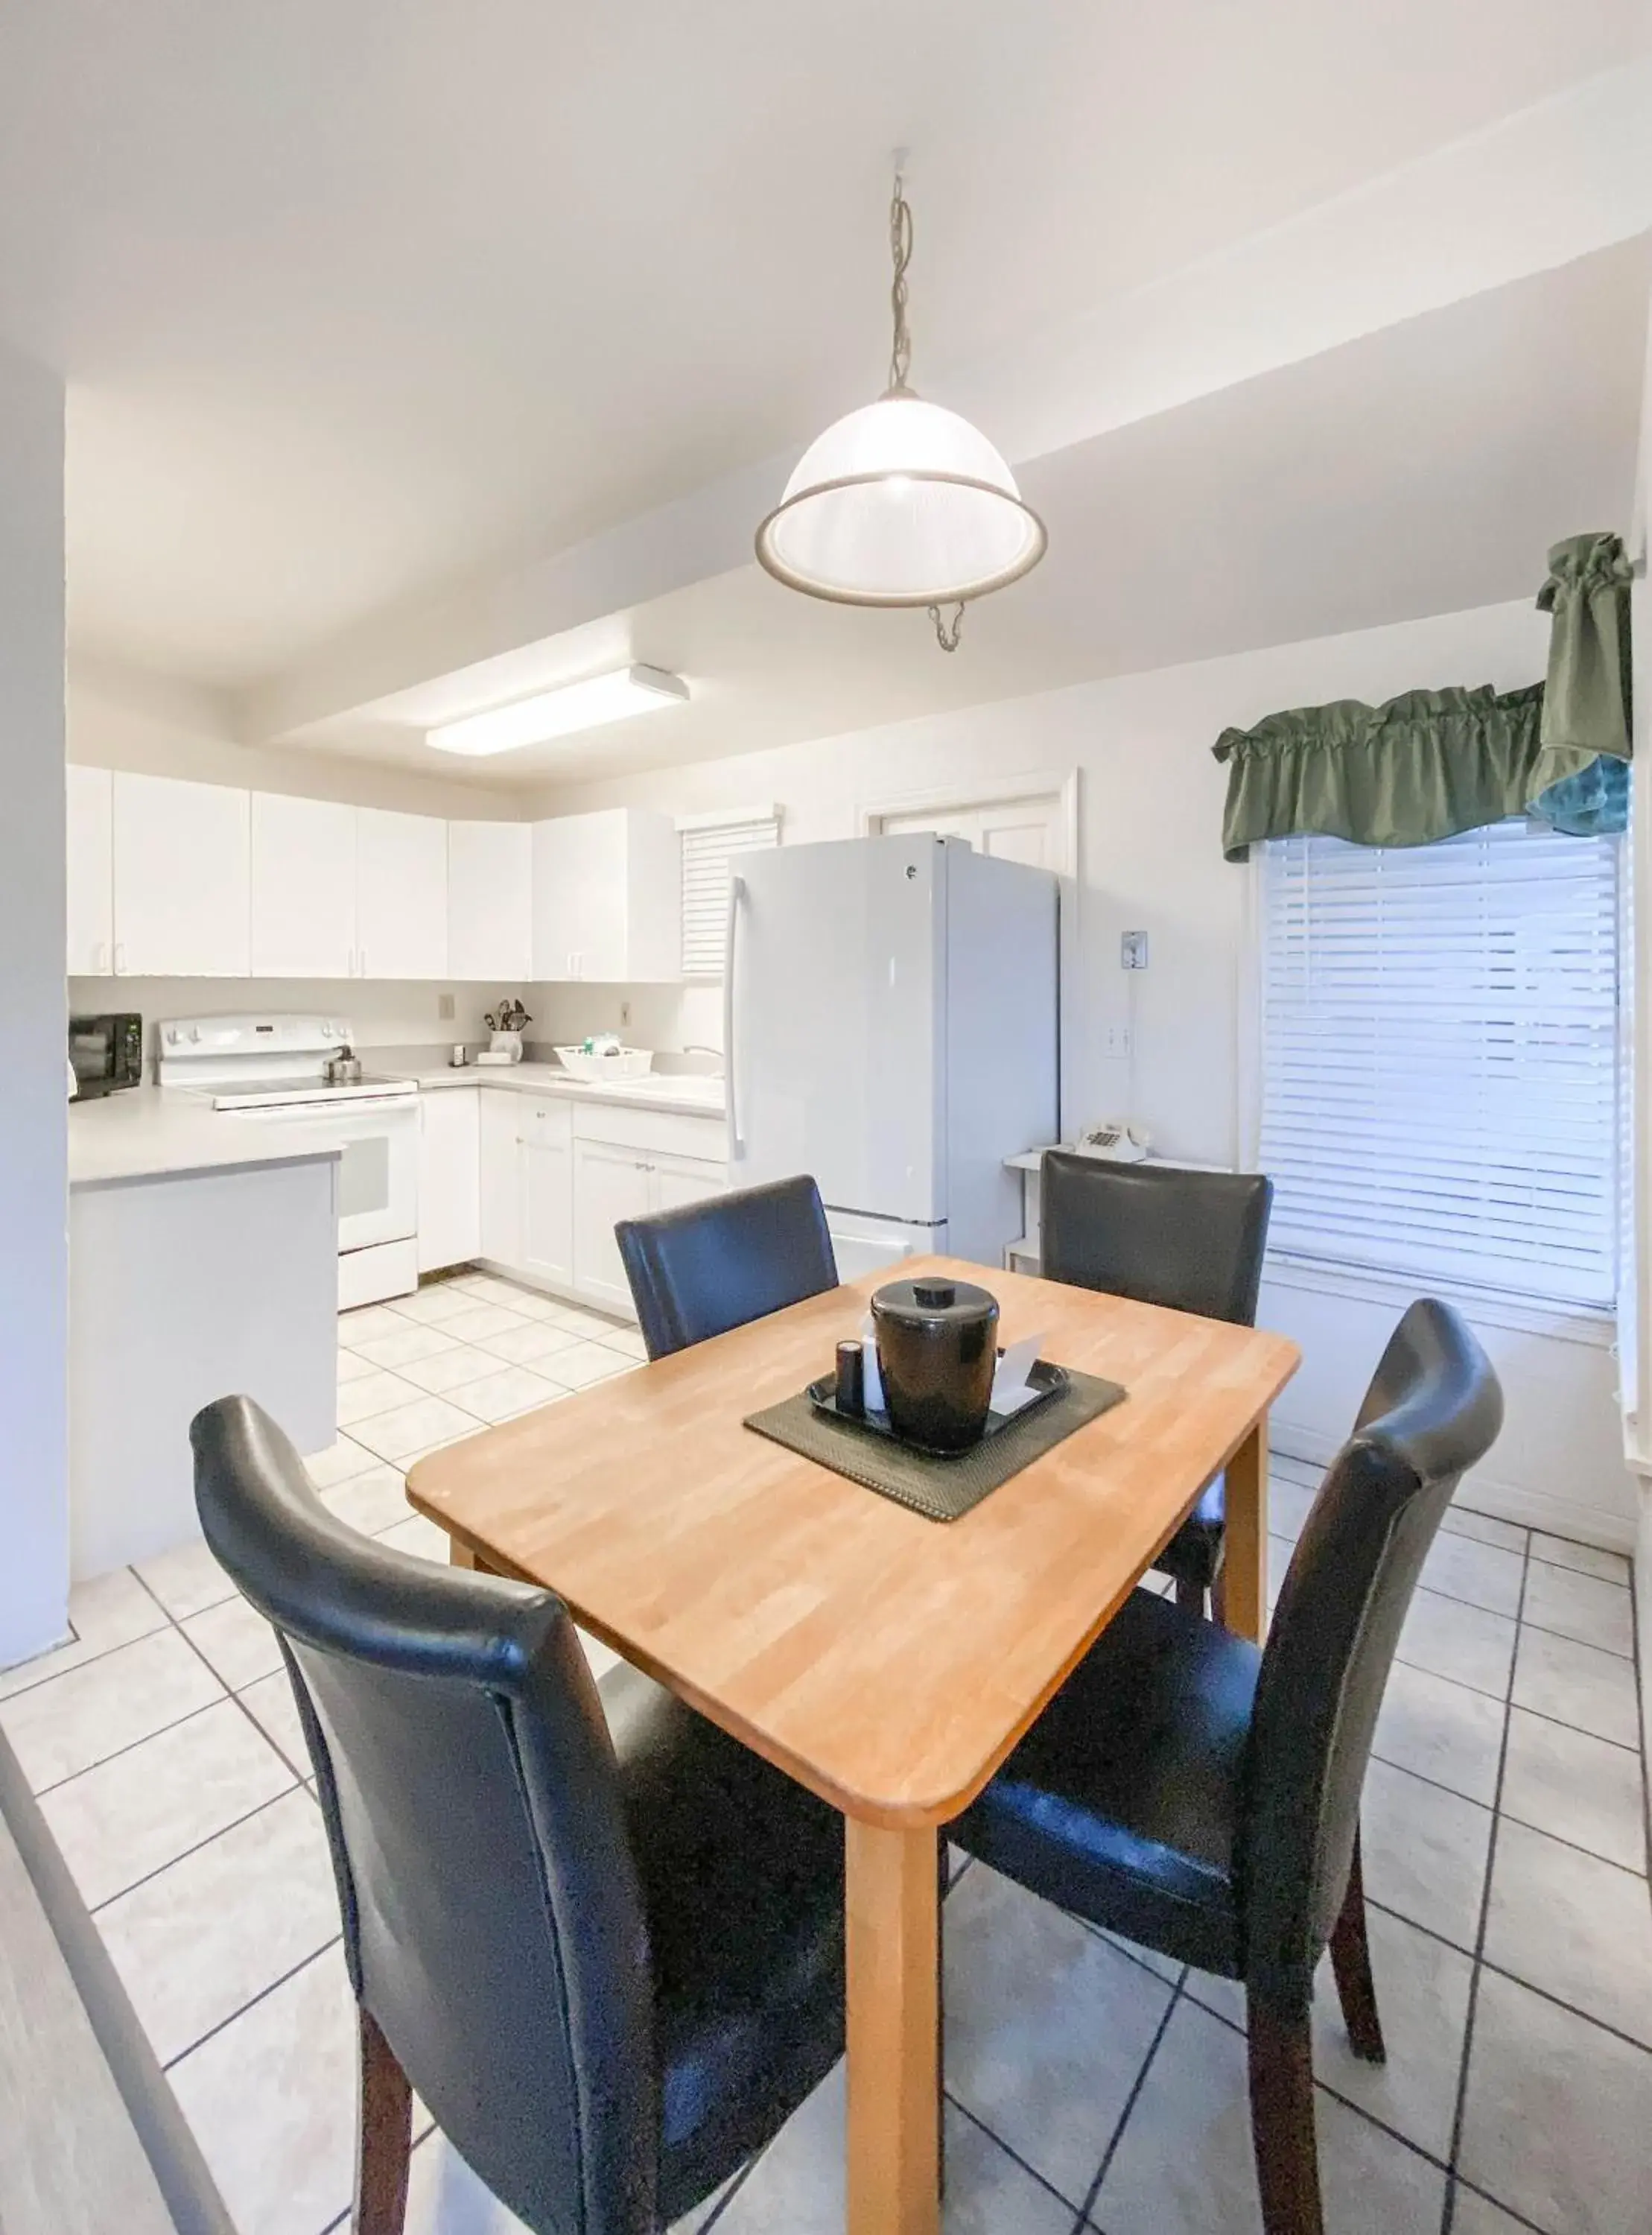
902	502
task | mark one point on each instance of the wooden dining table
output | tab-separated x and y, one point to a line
887	1662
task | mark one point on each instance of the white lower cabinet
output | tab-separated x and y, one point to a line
500	1187
546	1154
450	1218
677	1180
610	1182
556	1179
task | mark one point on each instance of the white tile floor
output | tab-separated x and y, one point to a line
1091	2088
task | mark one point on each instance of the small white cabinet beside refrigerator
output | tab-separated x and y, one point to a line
892	1030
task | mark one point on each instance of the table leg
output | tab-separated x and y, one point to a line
461	1555
893	1924
1243	1600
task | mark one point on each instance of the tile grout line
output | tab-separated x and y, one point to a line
252	2001
1025	2165
1459	2110
1092	2194
286	1792
132	1744
1640	1720
230	1691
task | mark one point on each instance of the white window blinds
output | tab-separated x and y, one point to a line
1439	1060
710	852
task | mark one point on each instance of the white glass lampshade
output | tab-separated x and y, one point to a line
901	503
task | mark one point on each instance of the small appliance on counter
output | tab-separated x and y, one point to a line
106	1053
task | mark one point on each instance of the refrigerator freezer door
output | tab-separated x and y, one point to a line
878	1245
833	1063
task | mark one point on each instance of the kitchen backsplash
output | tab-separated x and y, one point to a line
400	1014
381	1012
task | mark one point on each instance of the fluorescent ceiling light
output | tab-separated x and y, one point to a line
558	713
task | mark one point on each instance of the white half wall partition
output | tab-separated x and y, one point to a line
34	1200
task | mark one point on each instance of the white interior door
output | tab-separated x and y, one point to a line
1033	829
303	887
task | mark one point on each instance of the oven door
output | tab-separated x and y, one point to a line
378	1171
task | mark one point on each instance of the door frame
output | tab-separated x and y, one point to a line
970	793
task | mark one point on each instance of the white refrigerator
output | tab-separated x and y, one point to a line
891	1028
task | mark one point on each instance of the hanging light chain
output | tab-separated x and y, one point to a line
900	250
947	633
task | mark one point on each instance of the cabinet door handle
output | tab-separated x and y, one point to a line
100	960
362	972
120	957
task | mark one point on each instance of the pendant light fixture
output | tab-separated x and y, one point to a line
902	502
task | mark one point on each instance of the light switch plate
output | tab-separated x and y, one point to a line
1133	950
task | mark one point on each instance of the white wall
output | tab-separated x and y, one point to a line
34	1200
118	720
1150	858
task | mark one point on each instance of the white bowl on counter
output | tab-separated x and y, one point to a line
604	1070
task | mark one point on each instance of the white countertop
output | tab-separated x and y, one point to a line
149	1132
688	1094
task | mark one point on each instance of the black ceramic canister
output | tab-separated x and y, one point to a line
936	1352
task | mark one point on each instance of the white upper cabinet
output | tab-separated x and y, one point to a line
401	894
182	884
303	887
490	904
608	897
91	872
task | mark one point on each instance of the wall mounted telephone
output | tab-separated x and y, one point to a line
1116	1141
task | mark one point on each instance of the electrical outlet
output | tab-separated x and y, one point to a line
444	1007
625	1016
1116	1040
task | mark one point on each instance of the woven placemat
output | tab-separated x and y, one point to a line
941	1489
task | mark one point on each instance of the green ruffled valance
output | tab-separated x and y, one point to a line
1430	764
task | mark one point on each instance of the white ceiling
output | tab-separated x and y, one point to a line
355	299
1423	469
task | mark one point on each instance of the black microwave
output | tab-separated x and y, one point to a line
106	1053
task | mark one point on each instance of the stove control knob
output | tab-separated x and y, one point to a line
327	1030
194	1032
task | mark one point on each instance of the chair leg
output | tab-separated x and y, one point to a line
1189	1595
1281	2121
384	2134
1351	1962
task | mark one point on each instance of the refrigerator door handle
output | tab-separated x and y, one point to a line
736	1146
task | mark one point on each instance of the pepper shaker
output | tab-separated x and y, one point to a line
851	1379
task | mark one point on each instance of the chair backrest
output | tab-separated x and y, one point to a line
494	1924
1433	1411
1157	1233
711	1266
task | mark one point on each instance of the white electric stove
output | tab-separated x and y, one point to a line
271	1069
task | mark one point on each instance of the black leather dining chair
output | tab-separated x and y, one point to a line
1162	1234
699	1270
1202	1797
606	1948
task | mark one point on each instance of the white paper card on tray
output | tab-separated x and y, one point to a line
1011	1387
871	1380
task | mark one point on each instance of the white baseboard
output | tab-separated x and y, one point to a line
1485	1493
